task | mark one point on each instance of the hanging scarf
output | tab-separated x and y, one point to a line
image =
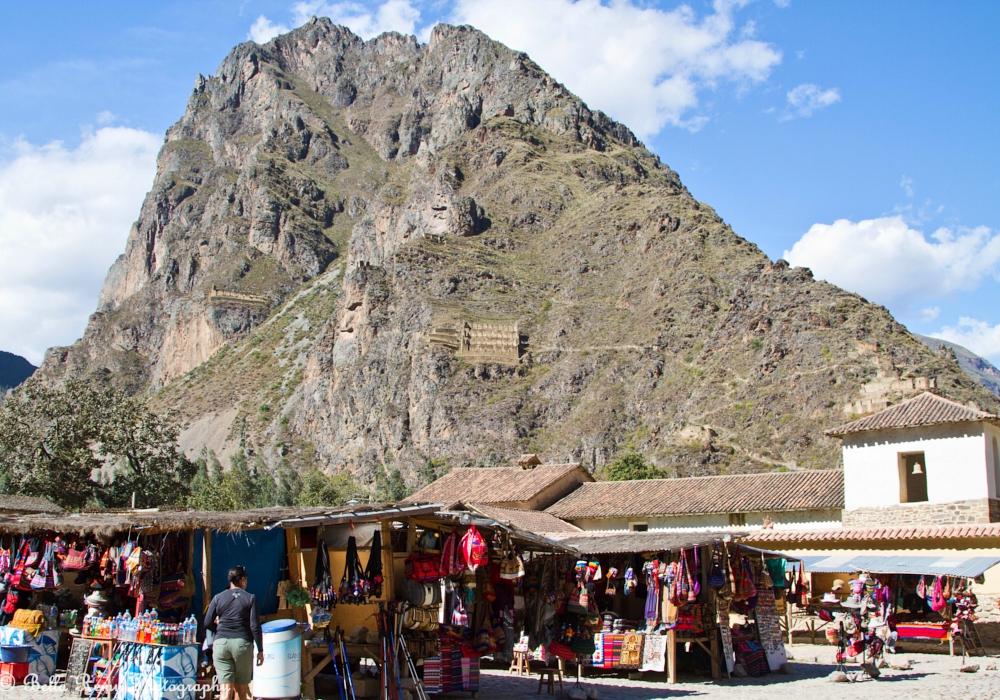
353	585
373	570
322	589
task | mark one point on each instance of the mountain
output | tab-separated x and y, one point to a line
14	369
377	254
972	364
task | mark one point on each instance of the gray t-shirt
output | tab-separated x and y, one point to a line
237	615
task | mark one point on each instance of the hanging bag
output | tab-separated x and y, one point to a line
373	570
76	560
474	548
716	573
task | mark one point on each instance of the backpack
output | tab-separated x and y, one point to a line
475	549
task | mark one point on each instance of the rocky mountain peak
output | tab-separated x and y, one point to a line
363	253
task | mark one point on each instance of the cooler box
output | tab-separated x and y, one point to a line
13	674
280	676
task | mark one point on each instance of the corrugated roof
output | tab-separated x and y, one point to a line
969	567
862	534
926	409
630	542
539	522
750	493
492	484
10	503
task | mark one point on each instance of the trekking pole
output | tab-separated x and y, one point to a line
333	662
347	664
418	685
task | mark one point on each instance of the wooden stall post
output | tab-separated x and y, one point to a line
206	568
296	571
671	656
388	562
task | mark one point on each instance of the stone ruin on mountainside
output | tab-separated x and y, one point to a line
479	342
216	295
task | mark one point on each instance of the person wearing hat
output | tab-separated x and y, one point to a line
234	619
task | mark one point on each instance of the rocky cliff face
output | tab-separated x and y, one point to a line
346	241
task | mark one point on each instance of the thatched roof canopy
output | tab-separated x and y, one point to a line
110	522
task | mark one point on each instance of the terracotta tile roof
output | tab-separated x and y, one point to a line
28	504
926	409
492	484
750	493
538	522
861	534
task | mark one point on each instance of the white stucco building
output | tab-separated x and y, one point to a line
925	461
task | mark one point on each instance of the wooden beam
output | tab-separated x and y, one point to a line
388	562
294	553
671	656
206	568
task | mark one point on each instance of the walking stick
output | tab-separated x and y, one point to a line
333	662
347	664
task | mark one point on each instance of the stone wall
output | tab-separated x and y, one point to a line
988	624
978	511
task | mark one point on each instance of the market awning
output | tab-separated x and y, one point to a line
638	542
362	514
966	567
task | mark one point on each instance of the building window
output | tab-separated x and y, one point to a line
737	519
996	469
638	527
912	478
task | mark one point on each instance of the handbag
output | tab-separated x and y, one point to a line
425	568
579	601
474	548
421	594
420	620
34	557
76	560
38	581
716	574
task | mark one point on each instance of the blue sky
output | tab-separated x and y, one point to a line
859	138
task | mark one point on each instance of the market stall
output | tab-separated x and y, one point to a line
873	601
654	591
423	594
116	598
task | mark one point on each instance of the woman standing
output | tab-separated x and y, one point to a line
233	617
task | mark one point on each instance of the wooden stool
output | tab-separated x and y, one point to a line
519	664
550	675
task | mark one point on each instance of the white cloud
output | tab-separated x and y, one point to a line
930	313
64	218
978	336
391	16
263	30
890	263
106	117
807	98
644	66
907	184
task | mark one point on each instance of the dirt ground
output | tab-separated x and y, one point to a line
930	676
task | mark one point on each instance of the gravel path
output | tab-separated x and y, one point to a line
931	676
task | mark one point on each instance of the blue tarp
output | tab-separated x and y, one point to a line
262	552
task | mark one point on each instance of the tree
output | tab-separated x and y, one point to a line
241	487
630	466
289	486
318	489
82	442
389	485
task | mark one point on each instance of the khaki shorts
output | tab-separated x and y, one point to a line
233	660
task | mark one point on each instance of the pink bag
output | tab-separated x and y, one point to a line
452	557
475	549
938	601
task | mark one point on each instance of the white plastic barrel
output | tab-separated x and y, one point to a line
280	675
